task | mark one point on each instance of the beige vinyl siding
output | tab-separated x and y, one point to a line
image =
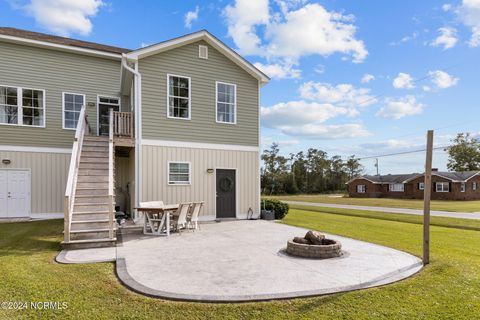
155	177
55	72
48	177
202	127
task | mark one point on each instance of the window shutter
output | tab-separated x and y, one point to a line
418	186
434	187
449	187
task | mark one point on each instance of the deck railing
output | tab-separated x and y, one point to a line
83	128
122	124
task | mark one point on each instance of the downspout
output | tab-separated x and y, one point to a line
138	131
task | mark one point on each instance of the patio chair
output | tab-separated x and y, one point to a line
192	221
180	217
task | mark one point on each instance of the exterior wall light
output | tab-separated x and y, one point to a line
210	170
6	161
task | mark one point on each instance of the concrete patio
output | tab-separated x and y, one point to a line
244	261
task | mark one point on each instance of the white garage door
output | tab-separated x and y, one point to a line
14	193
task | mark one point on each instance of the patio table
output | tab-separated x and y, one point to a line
152	214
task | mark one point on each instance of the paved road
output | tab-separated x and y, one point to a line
464	215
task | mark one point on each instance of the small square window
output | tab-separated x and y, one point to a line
421	186
179	173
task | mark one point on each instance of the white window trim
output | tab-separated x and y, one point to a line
474	186
442	183
189	97
173	183
200	50
362	188
63	107
20	108
110	104
234	105
390	187
463	187
421	186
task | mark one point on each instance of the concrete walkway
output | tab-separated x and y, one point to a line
244	261
463	215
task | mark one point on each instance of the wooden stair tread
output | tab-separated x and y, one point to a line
91	240
92	230
90	221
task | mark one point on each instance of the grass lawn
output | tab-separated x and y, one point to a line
441	205
449	288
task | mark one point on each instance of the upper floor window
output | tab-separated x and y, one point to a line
442	187
361	188
396	187
226	102
178	97
72	105
21	106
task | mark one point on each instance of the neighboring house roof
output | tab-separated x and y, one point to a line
25	34
404	178
194	37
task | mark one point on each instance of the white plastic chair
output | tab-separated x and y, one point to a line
192	222
180	219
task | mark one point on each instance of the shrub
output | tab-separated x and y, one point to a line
280	208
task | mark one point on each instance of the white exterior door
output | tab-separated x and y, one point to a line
16	185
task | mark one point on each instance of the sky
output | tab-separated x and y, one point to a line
364	78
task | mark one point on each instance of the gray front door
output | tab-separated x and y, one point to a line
226	190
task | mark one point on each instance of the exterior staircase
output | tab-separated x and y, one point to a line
90	224
89	220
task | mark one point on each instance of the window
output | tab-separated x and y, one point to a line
442	187
226	102
361	188
72	105
474	186
179	173
203	52
421	186
22	106
396	187
462	187
178	97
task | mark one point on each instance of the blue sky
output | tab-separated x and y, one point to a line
348	77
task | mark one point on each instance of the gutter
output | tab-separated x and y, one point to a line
138	131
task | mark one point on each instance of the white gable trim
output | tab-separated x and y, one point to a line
194	37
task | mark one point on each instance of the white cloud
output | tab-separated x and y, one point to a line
344	95
191	16
367	78
403	81
292	33
442	79
327	132
446	7
279	71
64	17
469	13
320	69
397	109
447	38
298	113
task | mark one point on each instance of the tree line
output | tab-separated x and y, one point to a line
314	171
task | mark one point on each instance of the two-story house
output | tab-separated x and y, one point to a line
86	127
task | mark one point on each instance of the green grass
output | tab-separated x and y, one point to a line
441	205
449	288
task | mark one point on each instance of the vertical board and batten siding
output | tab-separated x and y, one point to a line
202	188
202	127
55	72
48	177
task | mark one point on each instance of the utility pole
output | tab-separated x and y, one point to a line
376	164
427	192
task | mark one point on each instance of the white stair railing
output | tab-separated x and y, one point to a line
83	128
111	204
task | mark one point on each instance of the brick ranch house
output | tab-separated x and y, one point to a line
446	186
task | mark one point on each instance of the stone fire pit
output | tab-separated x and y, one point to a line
314	245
